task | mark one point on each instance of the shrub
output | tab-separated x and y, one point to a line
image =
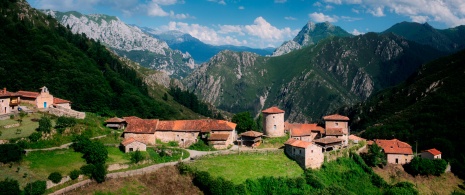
201	146
35	188
136	156
95	153
9	186
173	144
10	153
88	169
80	143
45	125
425	166
55	177
99	173
34	137
74	174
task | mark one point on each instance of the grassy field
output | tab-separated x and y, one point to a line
239	167
116	156
273	142
64	161
27	127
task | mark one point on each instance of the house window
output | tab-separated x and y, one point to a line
131	149
337	124
274	127
293	150
397	161
312	151
193	134
273	116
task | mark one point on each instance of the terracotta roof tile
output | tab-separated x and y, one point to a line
298	143
328	140
218	137
273	110
334	131
202	125
304	129
136	125
127	141
394	146
335	117
115	120
433	151
60	101
356	138
28	94
5	93
251	134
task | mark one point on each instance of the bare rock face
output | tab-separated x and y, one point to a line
128	41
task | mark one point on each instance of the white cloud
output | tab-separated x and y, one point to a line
226	29
280	1
349	19
241	7
154	9
356	32
317	4
290	18
164	2
449	12
265	31
222	2
355	10
179	16
320	17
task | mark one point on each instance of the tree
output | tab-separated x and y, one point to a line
375	156
99	173
259	122
45	125
74	174
55	177
95	153
244	121
136	157
35	188
9	186
34	137
10	153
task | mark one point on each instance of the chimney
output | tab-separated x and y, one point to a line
4	90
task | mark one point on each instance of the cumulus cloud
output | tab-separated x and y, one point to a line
356	32
154	9
449	12
320	17
241	7
265	31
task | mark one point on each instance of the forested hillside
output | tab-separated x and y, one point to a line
426	109
36	51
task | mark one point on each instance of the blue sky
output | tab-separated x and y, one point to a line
265	23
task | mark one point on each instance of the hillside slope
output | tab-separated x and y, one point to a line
37	51
426	109
312	81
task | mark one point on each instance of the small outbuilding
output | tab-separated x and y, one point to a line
131	144
431	154
250	138
116	123
356	139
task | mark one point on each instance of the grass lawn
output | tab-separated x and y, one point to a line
42	163
239	167
116	156
27	127
273	142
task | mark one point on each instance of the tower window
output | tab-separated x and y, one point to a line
274	127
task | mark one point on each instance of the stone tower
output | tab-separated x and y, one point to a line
273	122
337	126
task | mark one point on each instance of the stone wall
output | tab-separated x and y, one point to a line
184	139
146	138
401	158
273	125
135	146
61	111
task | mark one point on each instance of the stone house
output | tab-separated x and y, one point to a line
306	154
184	132
304	132
431	154
250	138
115	123
131	144
9	101
356	139
43	99
337	126
273	122
396	151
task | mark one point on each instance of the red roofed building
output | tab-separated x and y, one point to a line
396	151
431	154
116	123
304	132
185	132
306	154
273	122
337	126
131	144
250	138
9	101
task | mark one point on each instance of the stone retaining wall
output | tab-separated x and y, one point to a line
60	111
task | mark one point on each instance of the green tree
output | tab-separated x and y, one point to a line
375	156
34	137
74	174
35	188
45	125
136	157
95	153
9	187
10	153
259	122
244	121
99	173
55	177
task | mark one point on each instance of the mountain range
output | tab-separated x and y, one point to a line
199	50
128	41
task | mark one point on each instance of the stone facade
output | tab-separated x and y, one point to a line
431	154
134	146
273	122
184	138
336	122
5	105
146	138
399	158
306	154
44	99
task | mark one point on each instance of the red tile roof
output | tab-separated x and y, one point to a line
5	93
334	131
28	94
356	138
297	143
60	101
136	125
218	137
433	151
328	140
335	117
251	134
273	110
130	140
304	129
394	146
115	120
